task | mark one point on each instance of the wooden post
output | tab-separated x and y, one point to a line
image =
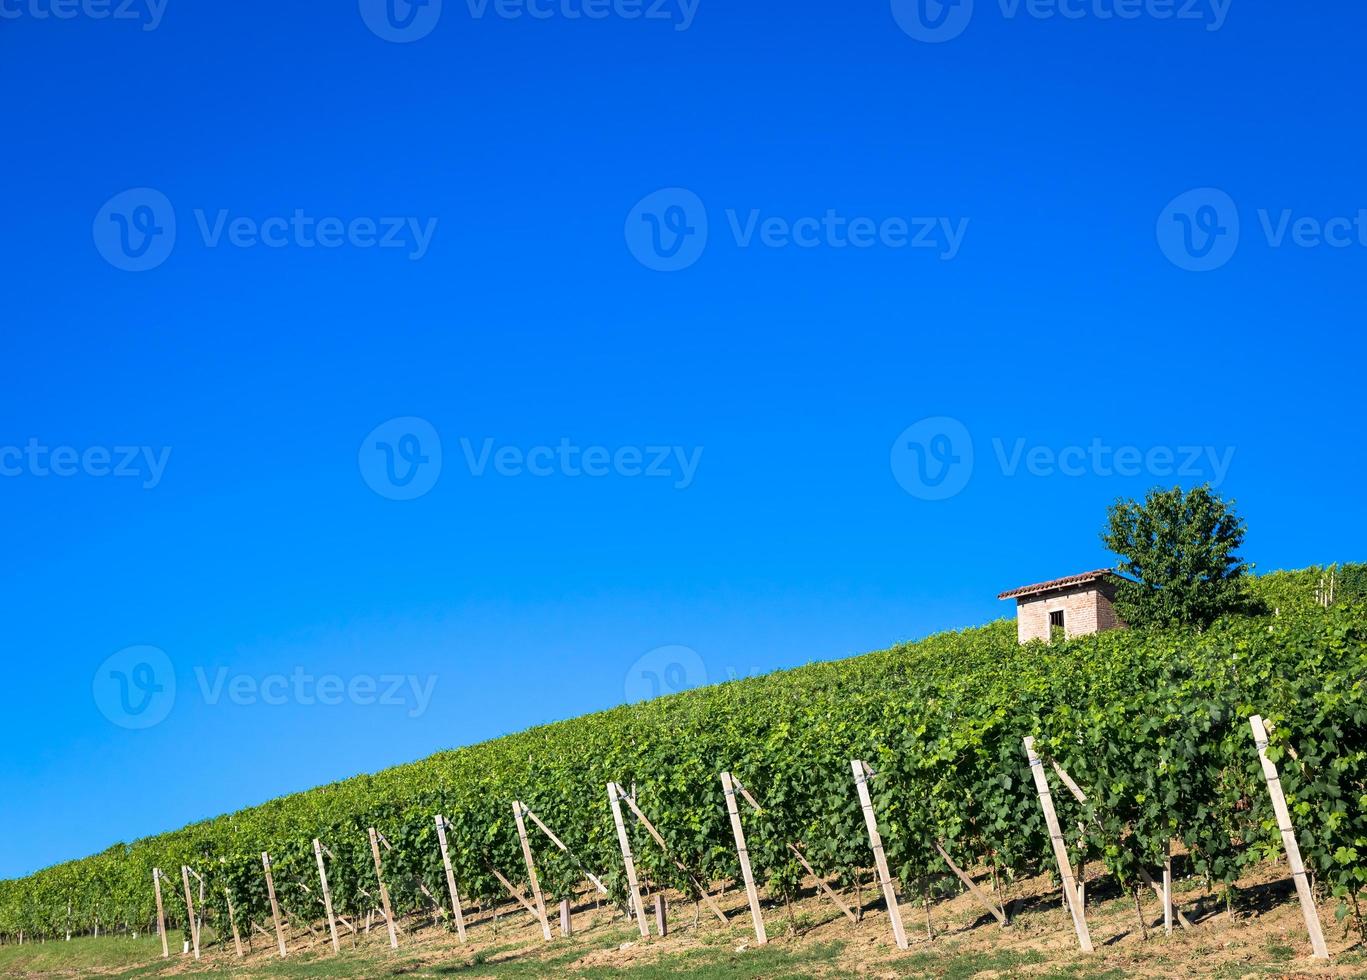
661	915
972	886
232	920
450	877
862	774
531	871
1144	875
275	905
825	888
190	908
327	894
529	812
511	889
1293	850
384	892
1046	802
161	915
1167	887
566	918
738	831
654	833
615	795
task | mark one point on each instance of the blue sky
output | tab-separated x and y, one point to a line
1006	310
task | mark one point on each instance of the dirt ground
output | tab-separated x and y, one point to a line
813	938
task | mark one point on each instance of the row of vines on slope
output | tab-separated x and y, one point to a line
1153	725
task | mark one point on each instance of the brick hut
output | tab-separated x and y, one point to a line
1076	605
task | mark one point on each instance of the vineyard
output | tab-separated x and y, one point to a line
1153	726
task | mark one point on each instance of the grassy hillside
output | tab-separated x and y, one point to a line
1153	724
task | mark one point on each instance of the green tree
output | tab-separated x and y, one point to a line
1179	549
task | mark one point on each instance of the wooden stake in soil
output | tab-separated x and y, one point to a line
862	775
566	918
1046	802
825	888
1144	875
973	888
190	908
550	835
615	797
1293	850
161	915
511	889
327	895
232	920
275	905
662	917
450	877
728	786
1167	887
531	871
384	891
650	828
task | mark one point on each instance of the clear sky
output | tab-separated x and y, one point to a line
331	383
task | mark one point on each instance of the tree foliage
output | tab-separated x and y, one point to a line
1179	550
